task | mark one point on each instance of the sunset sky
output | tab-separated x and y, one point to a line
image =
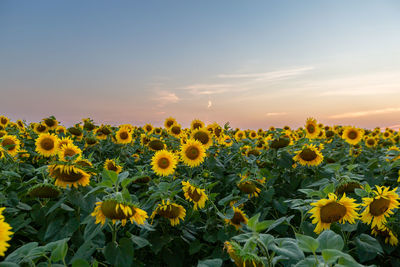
252	63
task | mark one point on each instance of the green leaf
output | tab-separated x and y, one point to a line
307	243
121	254
210	263
18	254
140	242
360	192
80	263
60	251
330	240
367	247
252	222
261	226
331	255
66	207
287	247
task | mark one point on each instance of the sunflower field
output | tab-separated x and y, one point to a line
206	196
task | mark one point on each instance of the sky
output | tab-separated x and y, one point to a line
250	63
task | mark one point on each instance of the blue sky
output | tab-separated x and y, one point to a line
253	63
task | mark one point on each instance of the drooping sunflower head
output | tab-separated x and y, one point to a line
309	155
386	233
331	210
111	165
352	135
123	136
40	128
10	144
280	142
169	210
90	141
242	257
68	175
347	187
196	124
51	123
69	151
312	129
204	136
249	186
47	144
193	153
380	206
115	211
239	218
44	191
76	132
194	194
156	144
169	122
163	163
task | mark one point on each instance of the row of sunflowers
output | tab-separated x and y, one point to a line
99	195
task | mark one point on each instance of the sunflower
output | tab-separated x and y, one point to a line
195	195
196	124
20	124
192	153
4	121
380	206
312	129
252	134
164	163
371	142
309	155
90	141
47	144
123	136
169	122
171	211
110	165
51	123
242	257
385	233
115	210
5	235
44	191
352	135
144	139
76	131
204	136
226	140
64	141
61	130
68	175
175	130
148	128
238	218
249	186
327	211
135	157
69	150
239	135
156	145
10	144
40	128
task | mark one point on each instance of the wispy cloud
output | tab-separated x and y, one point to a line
269	76
165	97
240	82
275	113
209	104
365	113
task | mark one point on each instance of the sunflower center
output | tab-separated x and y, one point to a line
308	154
332	212
253	152
371	142
352	135
247	187
111	167
41	128
47	144
124	135
4	121
192	152
196	125
49	122
194	195
237	218
163	163
176	130
379	206
108	208
69	152
202	137
156	145
148	128
8	142
169	123
171	212
71	176
310	128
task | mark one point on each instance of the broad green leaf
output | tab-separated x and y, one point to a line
330	240
307	243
